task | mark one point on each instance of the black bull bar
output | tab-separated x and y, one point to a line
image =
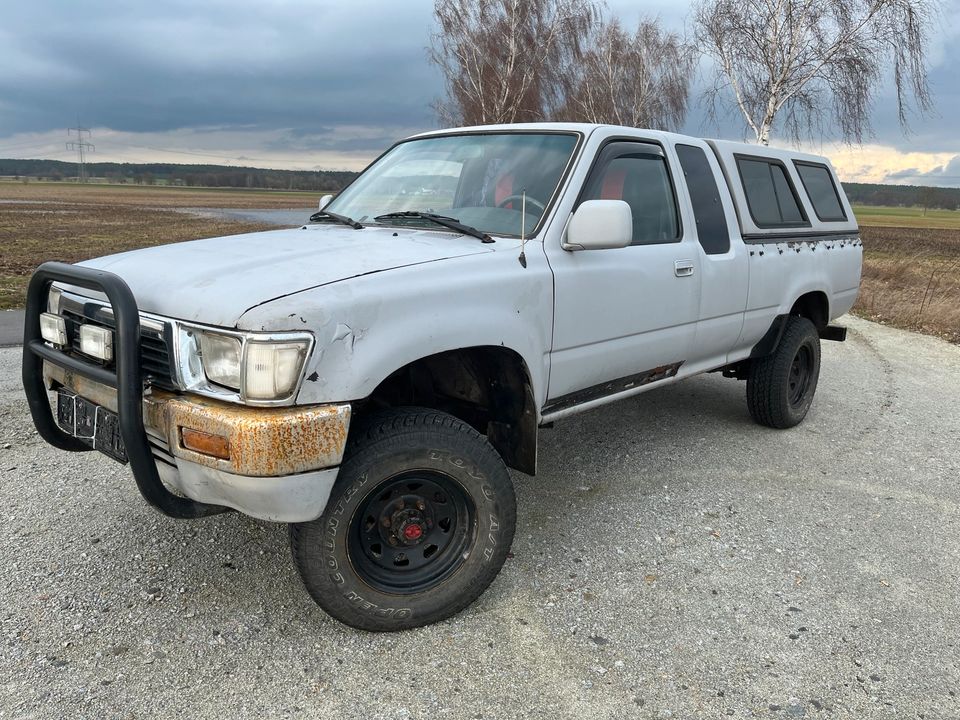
126	380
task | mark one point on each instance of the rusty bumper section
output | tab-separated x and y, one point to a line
276	463
261	442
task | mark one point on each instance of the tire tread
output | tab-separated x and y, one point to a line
390	425
766	398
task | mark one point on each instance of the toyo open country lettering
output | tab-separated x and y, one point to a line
369	377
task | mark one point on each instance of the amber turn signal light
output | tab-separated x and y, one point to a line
205	443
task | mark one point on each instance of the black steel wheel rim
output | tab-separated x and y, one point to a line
801	370
411	532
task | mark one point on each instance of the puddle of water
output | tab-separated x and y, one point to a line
270	216
47	211
283	218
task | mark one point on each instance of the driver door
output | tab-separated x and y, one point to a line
625	317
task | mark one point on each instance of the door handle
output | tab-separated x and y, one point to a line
683	268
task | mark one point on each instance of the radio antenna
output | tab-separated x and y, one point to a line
523	227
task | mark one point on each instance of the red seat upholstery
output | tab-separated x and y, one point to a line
503	190
612	188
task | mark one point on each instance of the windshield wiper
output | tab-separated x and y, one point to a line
342	219
449	222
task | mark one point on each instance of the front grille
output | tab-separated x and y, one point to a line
155	358
160	449
156	364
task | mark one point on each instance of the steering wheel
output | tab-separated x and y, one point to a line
519	198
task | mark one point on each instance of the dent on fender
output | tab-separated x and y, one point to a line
347	336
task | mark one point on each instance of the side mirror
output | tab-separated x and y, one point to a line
325	200
600	225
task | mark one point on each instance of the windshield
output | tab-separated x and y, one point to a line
478	179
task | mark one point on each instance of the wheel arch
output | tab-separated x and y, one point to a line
488	387
815	306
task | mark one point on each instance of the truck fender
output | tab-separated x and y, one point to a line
771	339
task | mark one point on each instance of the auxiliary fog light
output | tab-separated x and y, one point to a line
53	329
97	342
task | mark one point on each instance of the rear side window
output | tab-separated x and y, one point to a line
818	182
770	195
705	197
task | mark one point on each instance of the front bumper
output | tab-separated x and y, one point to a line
288	498
281	462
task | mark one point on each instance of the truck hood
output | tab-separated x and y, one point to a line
215	281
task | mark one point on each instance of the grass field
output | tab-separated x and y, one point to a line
880	216
60	221
910	271
910	279
911	264
154	196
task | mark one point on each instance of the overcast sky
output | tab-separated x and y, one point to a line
318	84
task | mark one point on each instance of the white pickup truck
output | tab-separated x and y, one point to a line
369	377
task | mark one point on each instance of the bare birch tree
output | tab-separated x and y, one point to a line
639	80
503	60
803	65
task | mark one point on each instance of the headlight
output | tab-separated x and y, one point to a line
261	369
221	359
272	369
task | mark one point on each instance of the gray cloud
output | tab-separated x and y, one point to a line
331	139
310	76
947	175
149	67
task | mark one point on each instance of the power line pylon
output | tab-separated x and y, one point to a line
82	147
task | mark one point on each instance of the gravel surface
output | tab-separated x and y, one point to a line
672	560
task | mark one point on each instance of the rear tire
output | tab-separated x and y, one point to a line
781	386
419	523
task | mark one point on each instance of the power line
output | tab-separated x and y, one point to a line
81	146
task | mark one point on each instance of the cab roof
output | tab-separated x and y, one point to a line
731	146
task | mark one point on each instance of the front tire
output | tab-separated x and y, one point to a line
781	386
418	524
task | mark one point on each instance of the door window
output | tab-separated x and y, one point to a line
637	173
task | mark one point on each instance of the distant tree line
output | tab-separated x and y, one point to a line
182	175
903	196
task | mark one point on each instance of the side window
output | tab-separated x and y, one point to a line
637	173
705	197
770	195
818	182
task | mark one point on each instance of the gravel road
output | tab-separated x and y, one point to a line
11	327
672	560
